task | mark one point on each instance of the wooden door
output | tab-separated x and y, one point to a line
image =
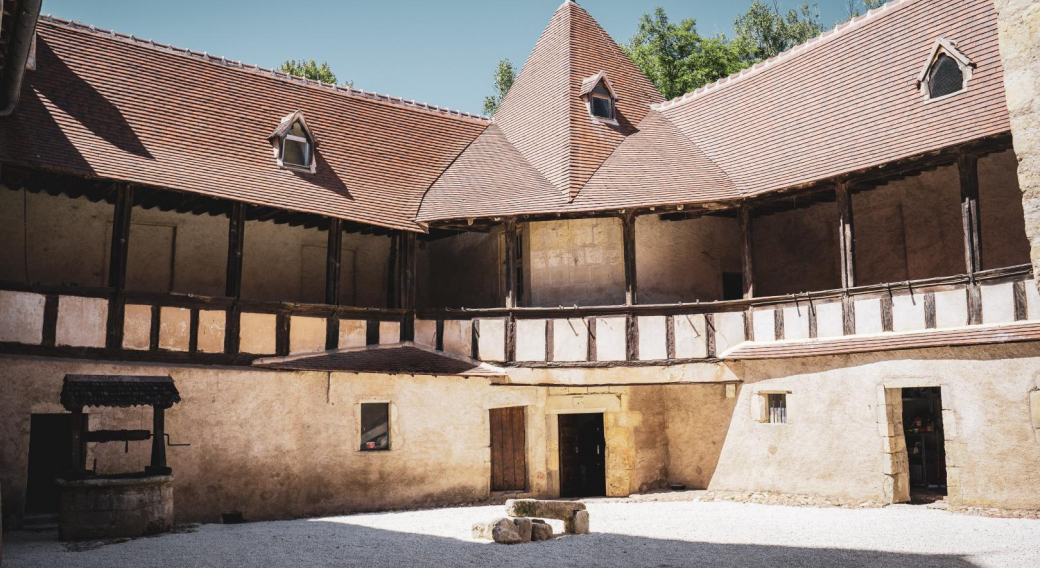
582	456
508	449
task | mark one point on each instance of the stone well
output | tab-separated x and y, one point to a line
113	507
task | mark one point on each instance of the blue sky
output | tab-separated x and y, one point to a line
441	53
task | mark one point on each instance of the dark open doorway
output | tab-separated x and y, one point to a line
925	444
50	450
582	456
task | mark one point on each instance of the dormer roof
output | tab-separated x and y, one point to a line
588	84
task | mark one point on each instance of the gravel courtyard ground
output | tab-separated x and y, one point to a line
652	534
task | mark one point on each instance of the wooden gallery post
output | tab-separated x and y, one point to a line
333	262
233	278
967	166
846	255
511	286
628	232
117	265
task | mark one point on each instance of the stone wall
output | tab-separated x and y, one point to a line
683	260
1018	24
796	250
1004	241
464	270
69	241
295	437
576	261
66	238
909	229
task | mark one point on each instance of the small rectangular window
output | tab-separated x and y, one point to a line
296	151
602	107
777	408
375	426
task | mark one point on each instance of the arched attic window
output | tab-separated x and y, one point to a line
294	144
599	98
946	72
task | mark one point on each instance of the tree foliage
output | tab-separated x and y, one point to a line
852	10
678	59
311	70
504	77
675	57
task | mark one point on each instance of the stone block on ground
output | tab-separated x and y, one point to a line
523	526
577	524
541	530
561	510
505	532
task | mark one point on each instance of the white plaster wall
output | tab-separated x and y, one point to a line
832	445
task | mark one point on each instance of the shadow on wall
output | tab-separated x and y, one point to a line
330	543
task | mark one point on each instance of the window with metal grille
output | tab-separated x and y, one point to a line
946	77
777	408
375	426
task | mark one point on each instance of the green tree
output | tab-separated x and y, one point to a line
504	77
676	58
763	31
311	70
852	10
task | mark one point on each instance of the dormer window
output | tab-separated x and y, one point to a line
294	144
947	71
599	97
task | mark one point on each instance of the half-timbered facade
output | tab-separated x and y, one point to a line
812	277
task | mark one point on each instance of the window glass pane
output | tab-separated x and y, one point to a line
295	153
602	107
946	77
778	409
375	426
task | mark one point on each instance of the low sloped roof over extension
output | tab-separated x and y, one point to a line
121	391
405	358
105	105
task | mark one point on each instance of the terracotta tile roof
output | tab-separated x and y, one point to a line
974	335
114	106
543	115
106	105
489	177
394	359
658	165
847	100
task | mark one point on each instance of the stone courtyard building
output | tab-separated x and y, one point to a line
813	277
